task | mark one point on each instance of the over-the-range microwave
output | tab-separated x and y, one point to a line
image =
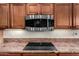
39	22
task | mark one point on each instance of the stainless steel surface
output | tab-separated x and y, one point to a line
39	28
48	28
28	17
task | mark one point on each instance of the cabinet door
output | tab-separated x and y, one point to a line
68	54
39	54
4	16
17	15
32	8
46	8
76	15
10	54
63	15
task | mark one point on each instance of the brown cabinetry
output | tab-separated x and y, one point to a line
40	54
10	54
28	54
46	8
68	54
17	15
63	15
76	15
32	8
36	8
4	16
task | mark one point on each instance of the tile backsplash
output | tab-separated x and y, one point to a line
57	33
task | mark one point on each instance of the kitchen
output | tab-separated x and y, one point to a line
58	32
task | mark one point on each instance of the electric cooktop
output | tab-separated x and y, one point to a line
39	46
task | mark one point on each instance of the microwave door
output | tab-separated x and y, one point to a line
47	23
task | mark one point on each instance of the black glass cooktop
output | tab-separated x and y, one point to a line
39	46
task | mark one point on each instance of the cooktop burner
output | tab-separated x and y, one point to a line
39	46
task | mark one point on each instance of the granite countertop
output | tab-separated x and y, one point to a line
62	47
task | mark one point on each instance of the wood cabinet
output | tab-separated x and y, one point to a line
68	54
10	54
17	15
40	54
36	8
32	8
4	16
76	16
46	8
63	15
28	54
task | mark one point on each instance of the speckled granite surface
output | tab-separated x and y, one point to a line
62	47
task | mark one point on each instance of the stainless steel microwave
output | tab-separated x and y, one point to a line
39	23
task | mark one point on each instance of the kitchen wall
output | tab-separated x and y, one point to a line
65	15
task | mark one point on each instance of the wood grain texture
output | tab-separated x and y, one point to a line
76	15
40	54
42	8
63	14
4	16
68	54
32	8
17	15
46	8
13	14
10	54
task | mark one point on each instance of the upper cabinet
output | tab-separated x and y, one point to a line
32	8
63	15
4	16
46	8
66	15
19	11
76	15
36	8
17	15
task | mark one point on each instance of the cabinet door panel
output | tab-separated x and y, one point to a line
10	54
76	15
4	15
46	8
68	54
32	8
39	54
63	15
17	15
